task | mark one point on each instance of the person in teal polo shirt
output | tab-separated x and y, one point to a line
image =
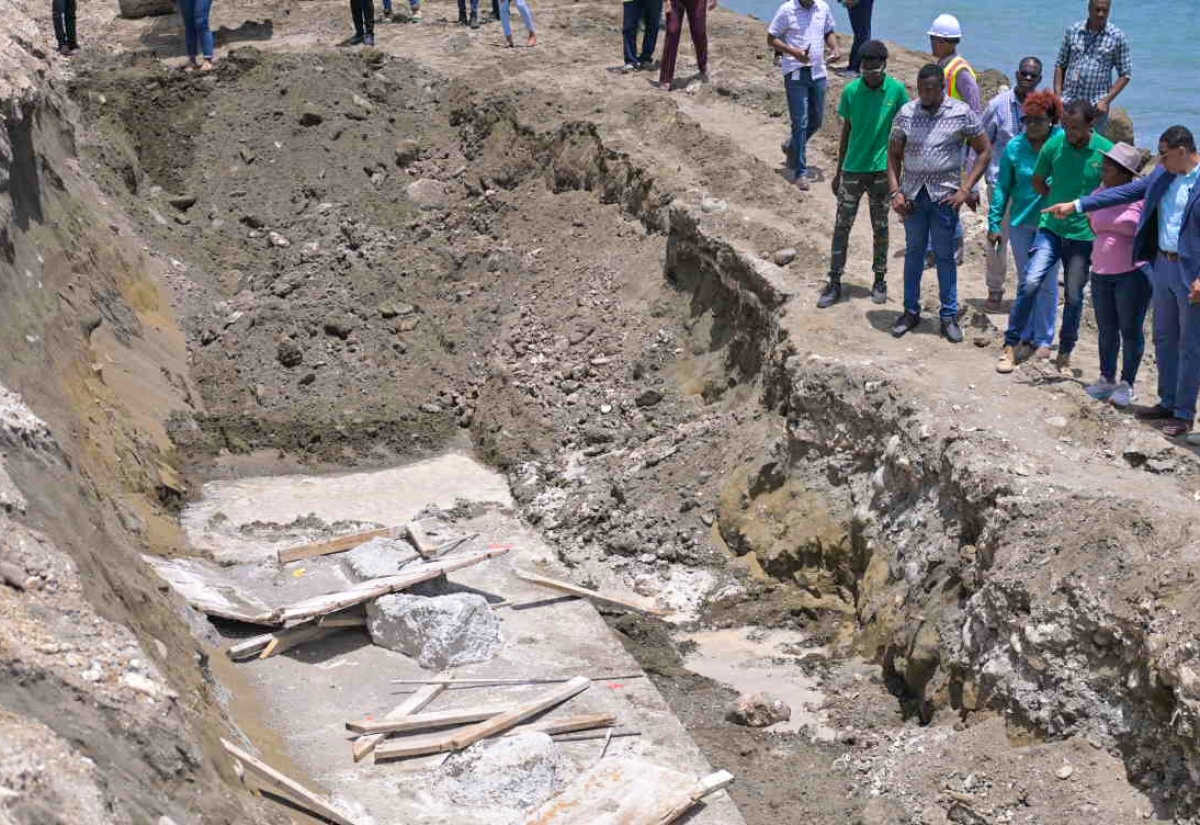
868	106
1013	195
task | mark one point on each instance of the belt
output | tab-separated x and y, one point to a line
1173	257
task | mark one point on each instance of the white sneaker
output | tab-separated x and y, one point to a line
1102	390
1122	395
630	68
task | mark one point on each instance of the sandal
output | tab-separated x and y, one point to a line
208	65
1176	427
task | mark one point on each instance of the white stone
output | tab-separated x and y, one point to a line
439	632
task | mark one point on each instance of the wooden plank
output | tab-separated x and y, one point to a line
461	738
337	544
269	644
250	647
612	733
576	590
365	745
424	721
426	546
617	791
374	588
472	683
275	782
567	724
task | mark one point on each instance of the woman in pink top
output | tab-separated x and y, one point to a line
1120	289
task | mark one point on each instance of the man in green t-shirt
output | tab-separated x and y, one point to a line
1068	167
867	109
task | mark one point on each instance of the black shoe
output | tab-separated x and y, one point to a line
474	21
356	40
951	332
830	295
879	291
369	40
462	19
905	323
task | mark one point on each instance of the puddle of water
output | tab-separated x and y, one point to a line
753	660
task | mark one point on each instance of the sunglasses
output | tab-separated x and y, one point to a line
880	70
1029	75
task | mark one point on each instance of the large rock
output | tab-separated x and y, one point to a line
514	772
131	9
758	710
1120	127
439	632
427	193
378	557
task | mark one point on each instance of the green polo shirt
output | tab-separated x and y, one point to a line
870	113
1071	173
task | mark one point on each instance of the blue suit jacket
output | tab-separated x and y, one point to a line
1152	189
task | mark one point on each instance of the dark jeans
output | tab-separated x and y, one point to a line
196	33
1048	249
806	105
860	22
63	12
1121	302
1176	337
363	14
648	13
930	220
695	11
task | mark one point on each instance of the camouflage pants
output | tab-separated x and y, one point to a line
854	185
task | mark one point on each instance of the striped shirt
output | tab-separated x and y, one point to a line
933	145
1088	60
1003	120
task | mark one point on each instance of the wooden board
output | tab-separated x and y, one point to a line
338	544
420	540
626	792
205	587
365	745
461	738
274	782
424	721
270	644
576	590
374	588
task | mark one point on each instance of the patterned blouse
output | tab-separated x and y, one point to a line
933	146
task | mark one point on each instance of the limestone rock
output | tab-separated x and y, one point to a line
408	152
1120	126
757	710
131	9
289	353
378	557
513	772
427	193
439	632
785	256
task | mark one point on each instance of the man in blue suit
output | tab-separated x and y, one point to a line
1168	236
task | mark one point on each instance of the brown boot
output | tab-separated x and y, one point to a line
1008	360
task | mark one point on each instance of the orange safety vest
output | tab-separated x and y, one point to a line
952	69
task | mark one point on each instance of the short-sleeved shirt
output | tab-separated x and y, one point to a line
1072	173
870	113
799	28
1088	60
933	145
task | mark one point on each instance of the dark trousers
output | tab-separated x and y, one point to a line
363	13
860	22
854	185
695	11
648	13
63	12
1121	302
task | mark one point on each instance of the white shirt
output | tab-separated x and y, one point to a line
800	27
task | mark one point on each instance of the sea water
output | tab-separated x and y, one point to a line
1164	37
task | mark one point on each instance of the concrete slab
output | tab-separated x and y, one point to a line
310	692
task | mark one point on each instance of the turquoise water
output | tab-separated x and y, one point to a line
1163	35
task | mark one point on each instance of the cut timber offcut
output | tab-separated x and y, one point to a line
273	782
364	745
576	590
621	791
338	544
424	721
461	738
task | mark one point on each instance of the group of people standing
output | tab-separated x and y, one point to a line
1060	195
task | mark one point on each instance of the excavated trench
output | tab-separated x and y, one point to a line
371	264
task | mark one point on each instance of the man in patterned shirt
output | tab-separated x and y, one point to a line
1091	51
927	188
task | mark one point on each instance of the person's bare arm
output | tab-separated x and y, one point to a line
1060	77
1103	104
895	167
778	45
843	142
832	53
1040	186
983	156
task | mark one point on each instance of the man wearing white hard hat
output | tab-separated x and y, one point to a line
944	36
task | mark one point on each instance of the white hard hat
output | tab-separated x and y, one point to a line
945	26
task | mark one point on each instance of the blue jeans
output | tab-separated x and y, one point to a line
196	33
506	16
1176	338
1040	329
806	105
649	14
1121	302
860	23
1044	256
936	221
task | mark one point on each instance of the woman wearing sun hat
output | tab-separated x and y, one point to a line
1120	289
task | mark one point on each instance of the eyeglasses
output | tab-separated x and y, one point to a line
880	70
1029	75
